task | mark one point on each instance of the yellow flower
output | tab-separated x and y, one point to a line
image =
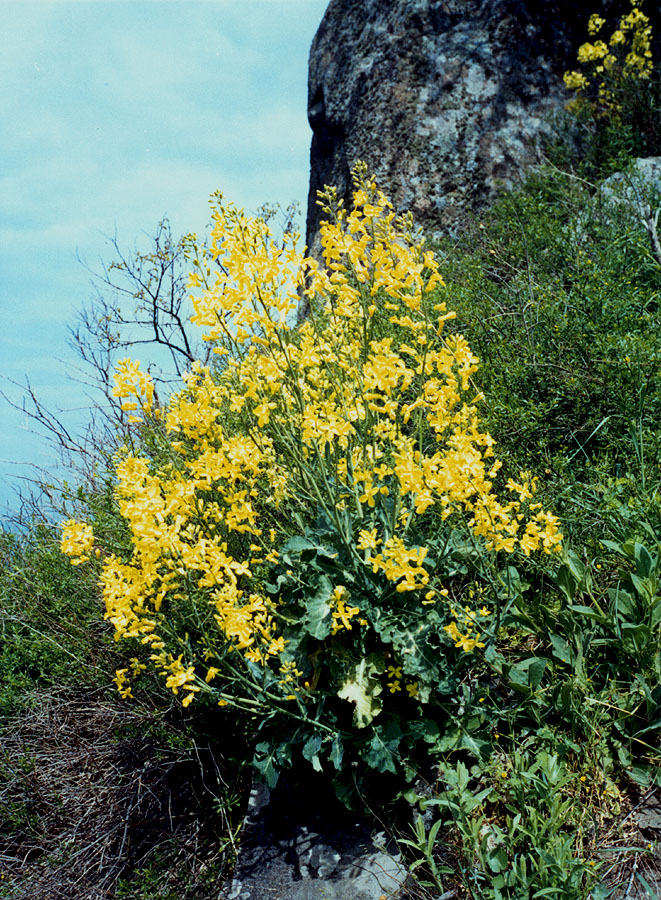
575	81
595	23
131	382
77	541
367	540
342	614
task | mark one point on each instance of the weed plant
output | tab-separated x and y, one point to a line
304	562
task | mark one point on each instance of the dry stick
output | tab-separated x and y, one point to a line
633	872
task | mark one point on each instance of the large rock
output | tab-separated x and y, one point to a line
444	99
300	843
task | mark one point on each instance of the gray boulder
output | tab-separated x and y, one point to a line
445	100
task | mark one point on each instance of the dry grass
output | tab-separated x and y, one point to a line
87	794
630	849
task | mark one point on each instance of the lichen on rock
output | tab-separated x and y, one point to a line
443	99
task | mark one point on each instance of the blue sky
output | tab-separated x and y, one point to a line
114	114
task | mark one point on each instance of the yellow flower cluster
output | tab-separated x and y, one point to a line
77	541
134	388
394	685
365	411
401	564
627	56
343	614
182	518
463	629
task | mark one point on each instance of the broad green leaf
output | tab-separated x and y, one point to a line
644	562
264	761
311	750
615	547
567	582
511	585
473	744
645	587
601	891
561	649
424	729
572	576
497	860
528	672
536	671
363	688
337	752
381	752
318	619
588	611
298	543
656	613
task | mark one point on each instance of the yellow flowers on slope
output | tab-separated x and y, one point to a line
626	57
365	412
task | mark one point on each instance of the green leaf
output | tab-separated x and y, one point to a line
424	729
645	587
588	611
337	752
656	613
644	562
412	646
497	860
566	582
572	576
318	619
536	671
381	751
298	543
561	649
635	637
528	672
264	761
511	585
311	750
612	545
473	744
449	740
363	688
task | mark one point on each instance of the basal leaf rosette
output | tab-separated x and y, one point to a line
287	508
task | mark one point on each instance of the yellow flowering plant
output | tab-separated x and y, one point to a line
612	65
305	515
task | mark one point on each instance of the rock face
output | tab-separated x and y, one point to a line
443	99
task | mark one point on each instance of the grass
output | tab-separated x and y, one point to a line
98	797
